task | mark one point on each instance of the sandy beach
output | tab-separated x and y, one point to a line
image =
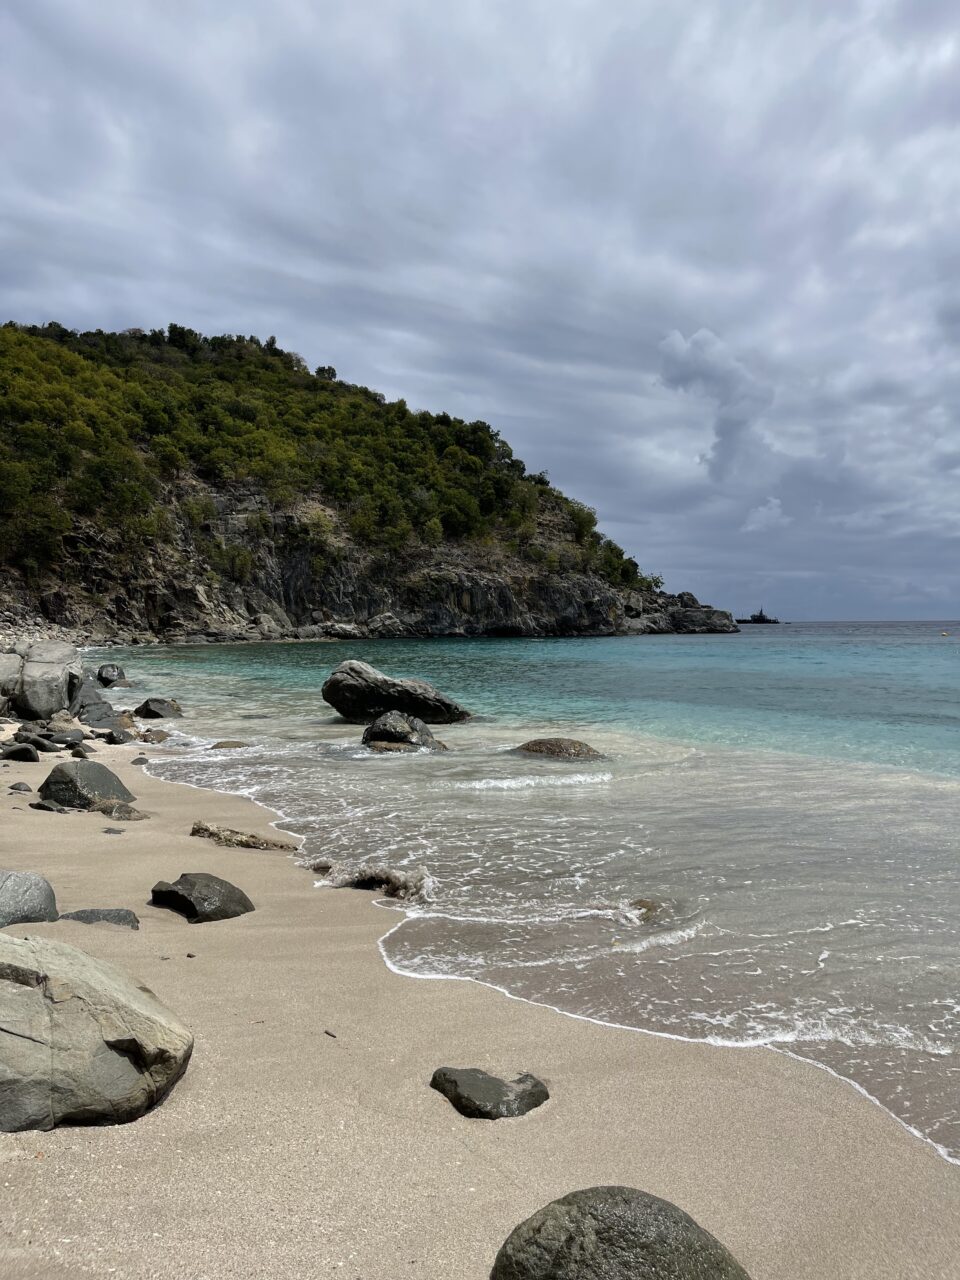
289	1152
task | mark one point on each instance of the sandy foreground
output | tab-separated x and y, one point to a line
285	1152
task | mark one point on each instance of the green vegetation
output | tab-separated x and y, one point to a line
101	428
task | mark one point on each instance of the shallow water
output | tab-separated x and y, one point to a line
789	795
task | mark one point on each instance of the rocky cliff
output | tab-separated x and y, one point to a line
232	568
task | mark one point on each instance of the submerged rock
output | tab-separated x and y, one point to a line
80	1042
413	885
395	731
201	897
158	709
229	744
84	784
560	749
481	1096
25	898
361	693
613	1233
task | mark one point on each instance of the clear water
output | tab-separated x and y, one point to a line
790	795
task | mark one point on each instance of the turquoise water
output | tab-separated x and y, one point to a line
788	795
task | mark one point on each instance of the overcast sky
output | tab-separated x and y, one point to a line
700	261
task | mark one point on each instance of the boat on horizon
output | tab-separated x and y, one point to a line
759	618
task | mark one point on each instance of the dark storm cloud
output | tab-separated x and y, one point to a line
701	262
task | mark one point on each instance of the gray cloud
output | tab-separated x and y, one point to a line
702	264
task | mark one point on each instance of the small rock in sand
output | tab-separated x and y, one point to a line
480	1096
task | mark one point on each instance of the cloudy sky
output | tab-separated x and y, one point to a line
700	261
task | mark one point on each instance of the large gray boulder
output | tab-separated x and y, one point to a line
395	731
613	1233
83	784
25	898
80	1041
481	1096
361	693
38	680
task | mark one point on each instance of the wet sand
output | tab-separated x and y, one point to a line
287	1152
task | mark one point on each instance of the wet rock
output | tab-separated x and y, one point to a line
84	784
154	736
119	737
22	751
109	674
560	749
395	731
361	693
122	916
80	1041
25	897
414	885
158	709
229	744
201	898
481	1096
231	839
613	1233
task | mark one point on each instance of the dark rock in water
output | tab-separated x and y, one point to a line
122	916
613	1233
560	749
480	1096
395	731
25	897
413	885
361	693
154	736
83	784
201	898
229	744
119	737
158	709
23	751
80	1041
110	673
20	786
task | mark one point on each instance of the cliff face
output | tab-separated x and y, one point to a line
230	568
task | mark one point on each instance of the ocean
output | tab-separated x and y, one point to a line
789	797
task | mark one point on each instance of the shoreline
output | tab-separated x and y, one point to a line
263	1160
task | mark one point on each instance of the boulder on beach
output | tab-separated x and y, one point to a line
201	898
39	679
396	731
480	1096
560	749
84	784
24	752
158	709
361	693
613	1233
25	898
42	745
80	1041
122	916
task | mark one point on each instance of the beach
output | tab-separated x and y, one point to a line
288	1151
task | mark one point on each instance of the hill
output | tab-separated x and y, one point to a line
170	485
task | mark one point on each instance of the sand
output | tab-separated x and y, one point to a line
286	1152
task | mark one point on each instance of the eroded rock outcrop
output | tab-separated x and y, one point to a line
80	1041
